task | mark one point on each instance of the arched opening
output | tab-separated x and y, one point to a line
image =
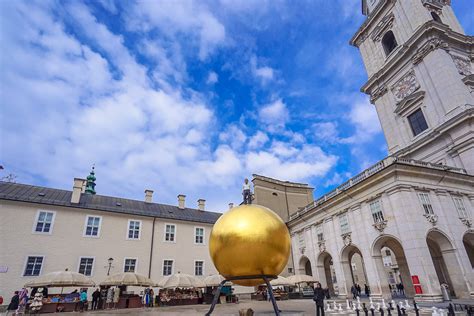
443	255
436	17
389	42
468	242
395	270
305	266
354	269
326	272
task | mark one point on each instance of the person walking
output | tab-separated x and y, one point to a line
367	290
83	300
402	289
14	302
354	292
95	299
152	297
318	298
246	192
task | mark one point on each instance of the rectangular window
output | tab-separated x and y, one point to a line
387	261
388	253
198	267
167	267
85	266
344	224
134	229
290	270
425	201
170	232
92	226
417	122
391	278
459	204
376	209
33	266
199	235
319	233
44	222
301	239
130	265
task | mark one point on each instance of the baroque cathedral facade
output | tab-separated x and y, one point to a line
408	218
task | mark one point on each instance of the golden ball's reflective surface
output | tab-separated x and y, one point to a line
249	240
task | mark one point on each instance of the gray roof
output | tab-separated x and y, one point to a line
49	196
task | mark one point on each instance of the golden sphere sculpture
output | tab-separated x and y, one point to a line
249	240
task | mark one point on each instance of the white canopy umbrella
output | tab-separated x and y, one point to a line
215	280
301	278
181	280
281	281
128	279
61	279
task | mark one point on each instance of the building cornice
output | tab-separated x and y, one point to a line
390	163
438	131
362	32
434	35
283	183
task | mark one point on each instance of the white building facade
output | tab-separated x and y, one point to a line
44	230
415	206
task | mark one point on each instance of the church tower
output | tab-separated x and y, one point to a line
420	79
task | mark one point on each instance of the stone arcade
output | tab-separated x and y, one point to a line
408	218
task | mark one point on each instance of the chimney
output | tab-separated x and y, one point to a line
201	204
231	205
148	196
77	190
181	200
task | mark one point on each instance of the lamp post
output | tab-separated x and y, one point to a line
110	260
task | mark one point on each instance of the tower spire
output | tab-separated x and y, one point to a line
90	186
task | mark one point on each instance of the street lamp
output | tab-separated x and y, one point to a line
110	260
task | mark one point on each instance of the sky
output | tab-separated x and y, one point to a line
186	97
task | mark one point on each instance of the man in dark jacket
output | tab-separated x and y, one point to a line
13	306
95	299
318	298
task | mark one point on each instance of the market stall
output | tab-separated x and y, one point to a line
212	282
180	289
43	302
117	294
304	283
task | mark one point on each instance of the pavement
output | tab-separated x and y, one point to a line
288	308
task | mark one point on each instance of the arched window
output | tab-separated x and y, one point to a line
389	42
436	17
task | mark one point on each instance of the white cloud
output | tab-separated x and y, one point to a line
363	117
212	78
234	136
258	140
326	131
308	161
263	73
275	115
337	179
173	18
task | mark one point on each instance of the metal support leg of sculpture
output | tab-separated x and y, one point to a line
272	297
266	278
216	297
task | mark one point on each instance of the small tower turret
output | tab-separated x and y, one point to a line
90	186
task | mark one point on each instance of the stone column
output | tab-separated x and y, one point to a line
347	270
384	289
455	274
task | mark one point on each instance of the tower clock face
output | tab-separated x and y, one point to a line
405	87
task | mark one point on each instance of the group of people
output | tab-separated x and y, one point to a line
397	288
356	290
